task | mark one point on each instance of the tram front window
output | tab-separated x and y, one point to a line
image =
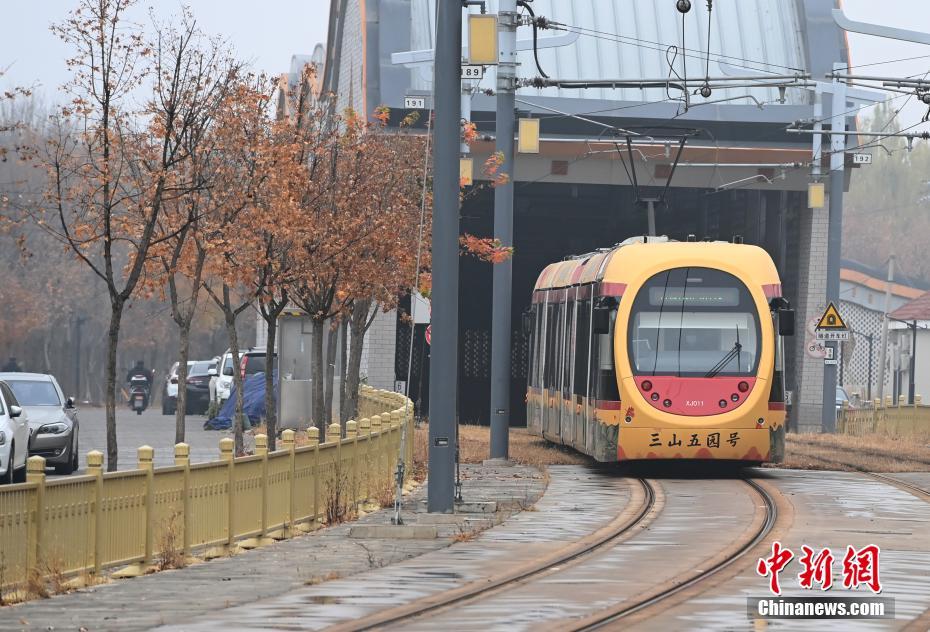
694	322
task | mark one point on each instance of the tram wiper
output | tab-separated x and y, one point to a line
732	353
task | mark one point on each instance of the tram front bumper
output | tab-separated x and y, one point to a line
739	444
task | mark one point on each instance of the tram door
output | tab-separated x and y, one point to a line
548	360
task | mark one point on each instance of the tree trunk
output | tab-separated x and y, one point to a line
331	341
184	336
116	315
271	402
343	361
353	378
316	376
238	425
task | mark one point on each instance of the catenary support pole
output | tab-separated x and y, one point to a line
834	238
913	368
443	376
883	344
503	230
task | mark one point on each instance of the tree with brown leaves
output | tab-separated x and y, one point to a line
113	168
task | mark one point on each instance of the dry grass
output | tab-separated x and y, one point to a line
525	449
319	579
874	453
466	535
338	499
420	454
383	491
170	547
36	587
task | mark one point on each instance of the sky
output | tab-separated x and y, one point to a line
266	33
269	32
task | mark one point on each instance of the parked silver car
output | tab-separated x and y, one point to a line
14	437
53	421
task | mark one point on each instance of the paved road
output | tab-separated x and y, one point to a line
150	428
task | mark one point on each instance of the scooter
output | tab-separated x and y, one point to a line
138	393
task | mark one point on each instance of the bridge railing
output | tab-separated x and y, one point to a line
884	417
80	525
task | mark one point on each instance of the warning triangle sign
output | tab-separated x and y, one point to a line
831	319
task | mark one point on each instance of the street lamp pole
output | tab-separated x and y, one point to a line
443	378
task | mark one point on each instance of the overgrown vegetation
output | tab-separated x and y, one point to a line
339	491
169	543
875	453
525	449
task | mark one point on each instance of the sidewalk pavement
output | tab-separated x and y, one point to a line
179	596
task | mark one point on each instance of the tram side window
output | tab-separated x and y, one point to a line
536	344
531	347
607	376
582	343
567	347
551	337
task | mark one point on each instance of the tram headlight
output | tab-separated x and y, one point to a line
667	403
723	403
647	385
743	387
654	397
734	397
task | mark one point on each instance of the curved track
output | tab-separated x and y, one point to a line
642	506
612	615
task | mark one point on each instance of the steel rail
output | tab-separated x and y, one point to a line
611	615
478	588
914	490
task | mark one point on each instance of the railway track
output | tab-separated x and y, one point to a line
645	505
612	615
646	500
915	490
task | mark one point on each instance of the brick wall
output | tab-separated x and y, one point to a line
378	353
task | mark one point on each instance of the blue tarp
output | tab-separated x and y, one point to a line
253	402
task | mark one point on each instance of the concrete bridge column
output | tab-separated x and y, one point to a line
807	400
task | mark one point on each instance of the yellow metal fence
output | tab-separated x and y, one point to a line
882	417
85	524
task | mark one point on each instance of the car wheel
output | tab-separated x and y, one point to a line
17	476
71	465
8	477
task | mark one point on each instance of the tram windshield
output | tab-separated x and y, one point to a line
694	322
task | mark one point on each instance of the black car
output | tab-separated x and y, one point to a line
198	388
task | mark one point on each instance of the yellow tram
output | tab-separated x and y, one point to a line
658	349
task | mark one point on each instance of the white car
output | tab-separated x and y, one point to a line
251	360
14	437
53	419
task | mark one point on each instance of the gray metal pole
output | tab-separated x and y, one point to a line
503	230
443	376
912	368
834	238
870	338
883	345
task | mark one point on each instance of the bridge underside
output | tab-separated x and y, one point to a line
554	220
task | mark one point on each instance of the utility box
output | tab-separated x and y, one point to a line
295	355
295	341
